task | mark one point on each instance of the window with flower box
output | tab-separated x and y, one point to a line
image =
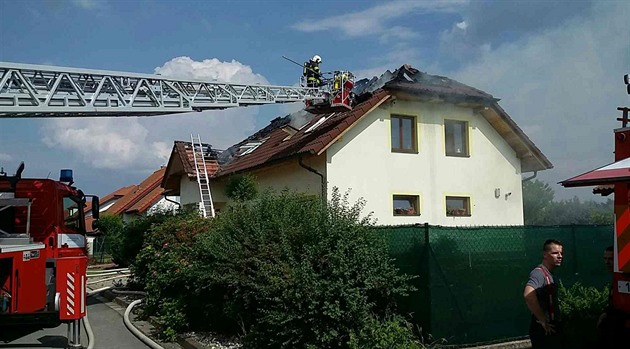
457	206
406	205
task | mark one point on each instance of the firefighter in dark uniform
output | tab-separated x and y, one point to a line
312	73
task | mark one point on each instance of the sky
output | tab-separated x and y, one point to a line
556	66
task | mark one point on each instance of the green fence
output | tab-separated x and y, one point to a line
470	280
100	251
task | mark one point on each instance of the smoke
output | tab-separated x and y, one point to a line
300	118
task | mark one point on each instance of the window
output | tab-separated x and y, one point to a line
404	134
406	205
456	137
249	147
71	213
457	206
319	122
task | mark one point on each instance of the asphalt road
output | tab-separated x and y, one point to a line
107	323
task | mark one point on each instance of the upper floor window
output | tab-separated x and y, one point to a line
457	206
456	138
404	133
406	205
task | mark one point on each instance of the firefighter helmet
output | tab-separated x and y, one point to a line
317	59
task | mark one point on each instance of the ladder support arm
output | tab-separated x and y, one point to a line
28	90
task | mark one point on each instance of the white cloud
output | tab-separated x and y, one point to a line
5	157
145	143
374	20
211	70
562	86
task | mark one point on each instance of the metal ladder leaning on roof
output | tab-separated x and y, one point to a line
207	206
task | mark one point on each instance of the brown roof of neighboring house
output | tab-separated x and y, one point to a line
134	198
147	200
115	195
278	145
139	193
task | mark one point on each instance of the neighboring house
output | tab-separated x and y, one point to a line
180	178
136	200
417	147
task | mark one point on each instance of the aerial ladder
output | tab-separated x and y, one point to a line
28	90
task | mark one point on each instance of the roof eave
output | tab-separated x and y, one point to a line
532	158
265	164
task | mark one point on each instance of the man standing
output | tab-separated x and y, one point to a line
312	73
609	259
541	297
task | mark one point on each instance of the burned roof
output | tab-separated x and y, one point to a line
420	84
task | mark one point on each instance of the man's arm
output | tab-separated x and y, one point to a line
532	303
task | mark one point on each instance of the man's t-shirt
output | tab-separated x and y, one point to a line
544	288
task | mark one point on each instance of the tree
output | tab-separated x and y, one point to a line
538	199
540	208
241	188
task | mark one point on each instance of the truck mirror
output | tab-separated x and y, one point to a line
96	208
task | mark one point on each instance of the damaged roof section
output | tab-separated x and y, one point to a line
414	83
182	163
282	143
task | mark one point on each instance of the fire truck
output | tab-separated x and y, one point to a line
43	255
615	177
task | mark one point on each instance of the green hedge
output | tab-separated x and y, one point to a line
283	271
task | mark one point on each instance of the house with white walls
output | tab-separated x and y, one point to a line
417	148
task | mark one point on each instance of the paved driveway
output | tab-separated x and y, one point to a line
106	321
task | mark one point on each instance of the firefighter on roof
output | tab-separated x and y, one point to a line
311	72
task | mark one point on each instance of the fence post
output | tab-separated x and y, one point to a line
574	249
426	271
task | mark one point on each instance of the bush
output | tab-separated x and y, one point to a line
286	271
394	333
164	268
241	188
581	306
125	240
162	242
112	228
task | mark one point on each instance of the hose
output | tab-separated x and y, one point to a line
131	293
107	274
99	290
106	270
148	341
106	279
88	331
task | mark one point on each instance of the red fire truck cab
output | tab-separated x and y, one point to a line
43	252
